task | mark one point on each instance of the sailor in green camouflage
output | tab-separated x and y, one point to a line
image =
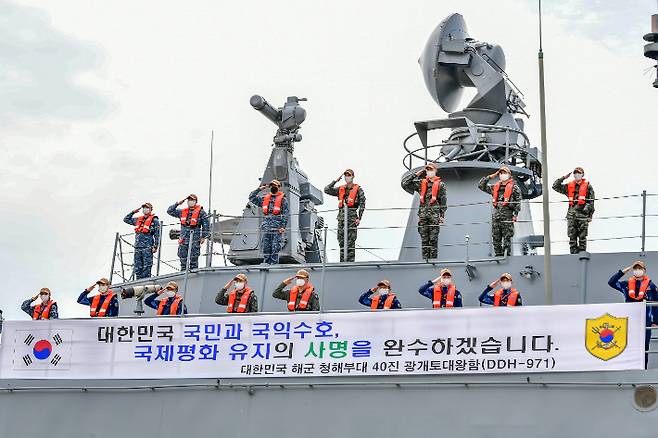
432	207
506	201
581	207
350	196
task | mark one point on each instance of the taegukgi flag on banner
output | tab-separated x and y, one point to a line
595	337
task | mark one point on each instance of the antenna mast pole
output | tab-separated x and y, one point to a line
548	272
208	245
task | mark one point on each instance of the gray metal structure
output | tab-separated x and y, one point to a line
484	136
302	236
601	404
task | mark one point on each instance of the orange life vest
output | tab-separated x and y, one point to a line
143	224
509	185
194	219
388	302
242	305
437	296
632	288
351	196
511	298
173	309
435	189
582	192
303	301
276	210
93	309
38	314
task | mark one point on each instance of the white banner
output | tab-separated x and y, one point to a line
448	341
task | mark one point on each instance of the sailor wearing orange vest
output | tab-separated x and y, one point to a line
639	287
506	201
193	219
432	207
147	239
302	296
275	219
45	309
580	193
241	299
505	296
350	197
442	291
384	298
102	305
169	301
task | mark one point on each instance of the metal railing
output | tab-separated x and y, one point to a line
165	262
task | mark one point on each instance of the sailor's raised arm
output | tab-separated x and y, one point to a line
330	188
484	183
280	292
129	219
254	198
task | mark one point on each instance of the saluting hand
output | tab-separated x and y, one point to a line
288	280
229	284
567	175
420	172
90	288
492	285
262	187
339	178
135	210
493	175
181	201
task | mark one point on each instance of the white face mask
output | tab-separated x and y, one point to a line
638	272
239	285
300	282
146	211
102	288
446	281
44	298
349	179
191	203
506	284
170	293
577	176
504	176
383	291
431	173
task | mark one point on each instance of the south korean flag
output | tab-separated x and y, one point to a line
42	349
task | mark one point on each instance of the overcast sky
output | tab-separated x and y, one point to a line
105	105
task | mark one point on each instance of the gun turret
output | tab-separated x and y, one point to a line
287	118
301	242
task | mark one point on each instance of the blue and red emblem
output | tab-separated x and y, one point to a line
42	349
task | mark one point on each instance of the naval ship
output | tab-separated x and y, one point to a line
476	140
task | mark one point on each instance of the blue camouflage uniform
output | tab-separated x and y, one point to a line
154	304
485	298
145	245
271	239
651	295
366	300
201	230
427	290
112	309
25	307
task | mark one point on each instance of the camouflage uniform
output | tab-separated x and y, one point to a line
271	239
502	225
145	245
201	230
282	294
353	213
429	215
252	304
578	216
